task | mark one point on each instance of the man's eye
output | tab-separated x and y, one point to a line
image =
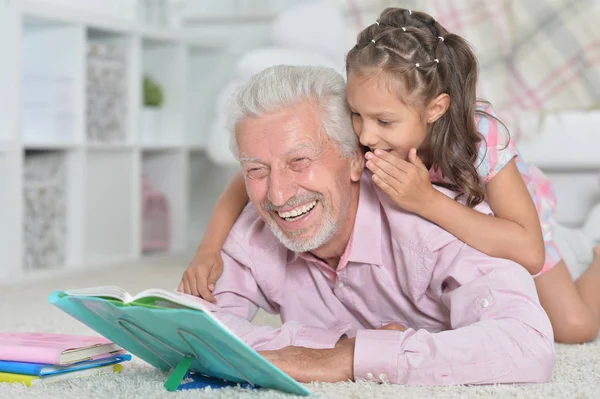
384	123
355	114
300	162
256	173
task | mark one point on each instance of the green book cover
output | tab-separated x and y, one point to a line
163	327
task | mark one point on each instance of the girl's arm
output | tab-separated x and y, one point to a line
227	209
207	265
513	233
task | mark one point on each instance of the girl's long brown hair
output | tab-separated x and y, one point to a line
421	60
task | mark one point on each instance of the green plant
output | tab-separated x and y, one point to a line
153	94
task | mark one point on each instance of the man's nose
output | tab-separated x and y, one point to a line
281	187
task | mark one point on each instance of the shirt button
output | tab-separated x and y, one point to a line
484	303
340	284
369	376
383	377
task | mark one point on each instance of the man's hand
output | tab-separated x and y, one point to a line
406	182
307	365
202	274
325	365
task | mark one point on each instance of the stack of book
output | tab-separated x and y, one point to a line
39	358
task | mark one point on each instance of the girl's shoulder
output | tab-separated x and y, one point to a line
490	126
496	148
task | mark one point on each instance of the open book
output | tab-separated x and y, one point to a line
167	329
151	297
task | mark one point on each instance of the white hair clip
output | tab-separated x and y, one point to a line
441	38
409	12
436	60
417	65
404	29
377	22
373	40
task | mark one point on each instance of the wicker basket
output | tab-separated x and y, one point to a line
106	93
44	194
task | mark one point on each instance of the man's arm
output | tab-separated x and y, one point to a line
499	332
238	298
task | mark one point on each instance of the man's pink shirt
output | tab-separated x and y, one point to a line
471	318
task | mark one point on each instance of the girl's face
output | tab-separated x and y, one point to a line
381	120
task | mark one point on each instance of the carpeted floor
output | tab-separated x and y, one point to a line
24	307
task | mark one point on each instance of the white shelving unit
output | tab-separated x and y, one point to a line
46	111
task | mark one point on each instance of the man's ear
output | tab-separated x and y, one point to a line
438	107
357	164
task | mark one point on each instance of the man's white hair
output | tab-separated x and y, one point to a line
282	86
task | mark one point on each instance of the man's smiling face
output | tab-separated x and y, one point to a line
295	175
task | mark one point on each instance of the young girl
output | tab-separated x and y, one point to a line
411	90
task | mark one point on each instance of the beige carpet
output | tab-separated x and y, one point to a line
23	307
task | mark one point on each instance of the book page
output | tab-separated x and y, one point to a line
188	301
177	297
107	291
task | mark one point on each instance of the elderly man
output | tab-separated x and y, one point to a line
365	290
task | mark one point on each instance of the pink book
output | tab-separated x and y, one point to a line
61	349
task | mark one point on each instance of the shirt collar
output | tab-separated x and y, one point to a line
366	237
364	245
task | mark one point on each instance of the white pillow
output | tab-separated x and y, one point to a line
316	27
259	59
225	95
591	227
217	145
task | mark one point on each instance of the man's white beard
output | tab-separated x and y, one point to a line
325	232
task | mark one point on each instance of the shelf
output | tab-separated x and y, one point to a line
9	34
149	147
164	125
201	110
110	192
8	145
110	146
52	107
46	194
230	20
233	12
165	175
49	145
159	34
51	81
196	148
42	10
112	70
10	215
